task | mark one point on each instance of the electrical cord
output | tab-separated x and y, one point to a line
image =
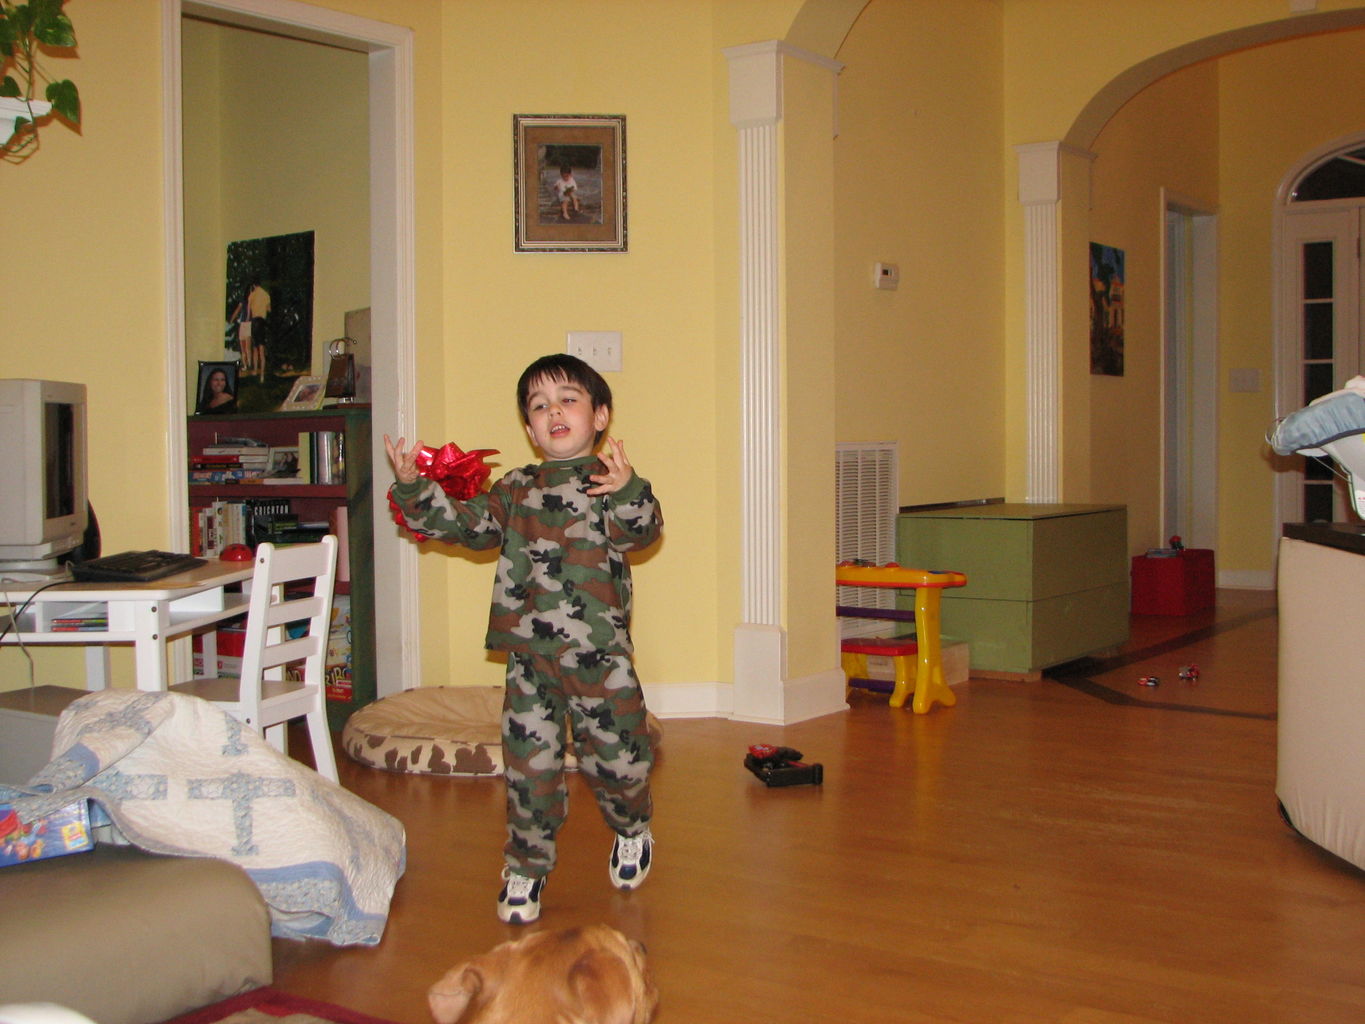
16	615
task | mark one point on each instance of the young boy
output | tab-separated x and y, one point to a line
561	611
566	192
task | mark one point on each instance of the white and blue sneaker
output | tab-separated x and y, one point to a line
630	860
519	901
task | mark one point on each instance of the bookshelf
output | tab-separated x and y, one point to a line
345	504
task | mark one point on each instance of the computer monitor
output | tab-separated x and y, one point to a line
43	500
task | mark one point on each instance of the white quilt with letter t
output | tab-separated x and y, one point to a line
177	775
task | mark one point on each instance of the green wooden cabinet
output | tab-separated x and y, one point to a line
316	502
1047	583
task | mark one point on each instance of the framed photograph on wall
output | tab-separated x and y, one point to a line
1106	310
269	315
307	393
217	388
570	176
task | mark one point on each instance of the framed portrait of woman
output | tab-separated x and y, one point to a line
217	389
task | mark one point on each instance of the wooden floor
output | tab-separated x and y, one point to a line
1081	849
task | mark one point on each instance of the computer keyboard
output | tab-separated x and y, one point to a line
133	567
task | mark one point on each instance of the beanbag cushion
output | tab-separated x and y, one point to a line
438	730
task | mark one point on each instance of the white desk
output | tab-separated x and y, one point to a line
146	615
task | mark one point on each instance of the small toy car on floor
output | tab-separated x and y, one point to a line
1150	681
782	766
1189	673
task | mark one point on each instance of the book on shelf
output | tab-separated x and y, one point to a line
306	455
223	521
261	511
92	616
229	460
234	446
66	625
240	475
287	528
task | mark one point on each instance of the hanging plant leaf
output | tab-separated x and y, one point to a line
65	100
51	26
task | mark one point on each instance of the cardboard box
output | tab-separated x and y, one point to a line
231	644
62	832
339	680
1178	584
225	667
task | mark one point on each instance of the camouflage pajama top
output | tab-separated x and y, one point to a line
563	580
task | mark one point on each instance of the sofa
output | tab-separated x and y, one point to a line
1320	778
128	937
118	934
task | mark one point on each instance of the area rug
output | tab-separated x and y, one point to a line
270	1006
1226	656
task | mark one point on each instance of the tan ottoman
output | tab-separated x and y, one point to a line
127	937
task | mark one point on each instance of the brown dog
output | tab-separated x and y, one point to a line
589	975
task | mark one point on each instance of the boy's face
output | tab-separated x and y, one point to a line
561	421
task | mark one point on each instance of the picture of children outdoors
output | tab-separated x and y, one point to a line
269	316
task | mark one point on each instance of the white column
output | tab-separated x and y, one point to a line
1040	193
755	109
760	641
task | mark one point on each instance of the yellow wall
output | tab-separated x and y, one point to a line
1166	137
503	309
919	179
808	366
83	294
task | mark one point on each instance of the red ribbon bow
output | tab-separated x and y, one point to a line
461	474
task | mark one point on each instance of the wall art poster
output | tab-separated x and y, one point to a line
1106	310
270	316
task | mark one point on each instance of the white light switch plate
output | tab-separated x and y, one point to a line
599	349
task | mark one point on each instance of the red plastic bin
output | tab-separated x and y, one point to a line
1179	584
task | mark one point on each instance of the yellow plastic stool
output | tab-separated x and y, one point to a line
927	679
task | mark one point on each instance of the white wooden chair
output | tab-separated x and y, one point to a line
263	698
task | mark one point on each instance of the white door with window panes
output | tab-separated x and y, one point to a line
1320	338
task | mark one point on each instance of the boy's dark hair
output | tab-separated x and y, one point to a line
563	367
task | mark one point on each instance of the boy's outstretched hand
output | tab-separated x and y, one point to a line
618	474
404	461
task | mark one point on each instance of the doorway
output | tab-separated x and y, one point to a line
1189	470
389	60
1320	345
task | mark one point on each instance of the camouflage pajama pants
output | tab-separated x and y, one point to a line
601	697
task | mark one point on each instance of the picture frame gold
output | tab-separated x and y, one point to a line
306	394
570	182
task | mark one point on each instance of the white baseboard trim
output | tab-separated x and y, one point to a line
1247	579
813	696
690	700
810	697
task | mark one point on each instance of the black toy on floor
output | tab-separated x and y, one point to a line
782	766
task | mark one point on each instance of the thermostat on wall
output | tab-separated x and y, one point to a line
886	275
